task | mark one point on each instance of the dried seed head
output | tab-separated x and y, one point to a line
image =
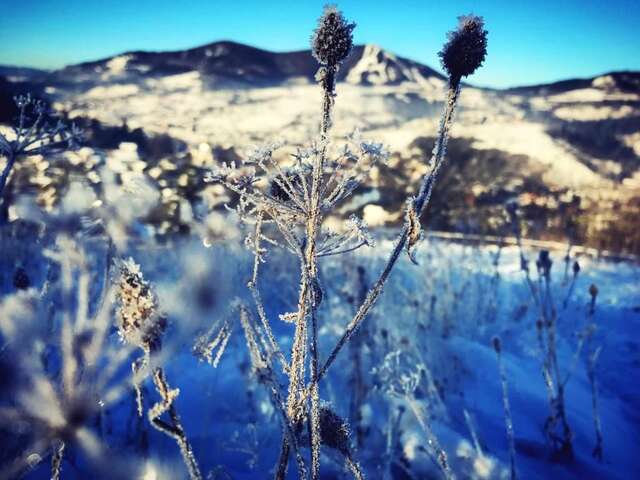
334	431
593	291
21	279
332	40
466	48
576	268
138	319
496	344
544	263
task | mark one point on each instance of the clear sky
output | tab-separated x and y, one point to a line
529	41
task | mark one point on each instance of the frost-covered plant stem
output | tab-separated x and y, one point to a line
354	468
310	292
35	134
591	372
508	419
592	362
274	348
546	326
419	204
173	429
56	461
262	366
11	160
432	440
328	94
558	409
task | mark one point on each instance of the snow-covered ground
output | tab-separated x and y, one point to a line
425	349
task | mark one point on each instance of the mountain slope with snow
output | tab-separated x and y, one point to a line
553	142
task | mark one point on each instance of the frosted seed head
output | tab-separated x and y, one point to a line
332	40
138	319
466	48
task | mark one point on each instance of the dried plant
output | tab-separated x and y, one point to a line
557	428
296	199
35	132
593	354
59	405
508	420
399	376
141	324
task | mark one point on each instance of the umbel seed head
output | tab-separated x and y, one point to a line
333	38
466	48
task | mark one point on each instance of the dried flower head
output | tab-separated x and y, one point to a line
544	263
466	47
576	268
333	38
138	318
21	279
334	431
497	346
593	291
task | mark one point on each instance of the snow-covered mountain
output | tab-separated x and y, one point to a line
229	64
544	144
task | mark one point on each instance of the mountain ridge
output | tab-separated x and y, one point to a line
255	65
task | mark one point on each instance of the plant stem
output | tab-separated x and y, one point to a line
11	159
173	429
508	420
432	440
420	203
308	300
56	461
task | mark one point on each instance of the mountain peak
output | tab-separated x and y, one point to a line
370	64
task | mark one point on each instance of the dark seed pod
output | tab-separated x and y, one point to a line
593	291
21	279
576	268
334	431
544	262
466	48
332	40
496	344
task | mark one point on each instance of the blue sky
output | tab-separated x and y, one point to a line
529	42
